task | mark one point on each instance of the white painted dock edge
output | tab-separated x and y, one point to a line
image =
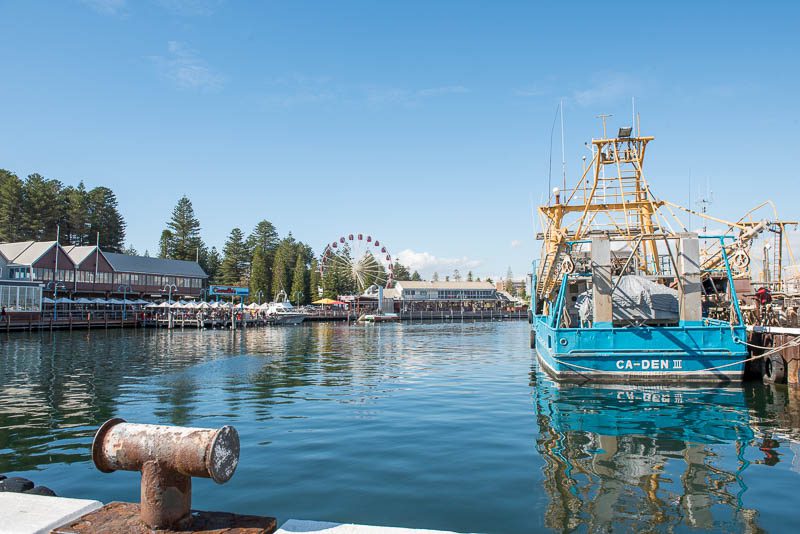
21	513
322	527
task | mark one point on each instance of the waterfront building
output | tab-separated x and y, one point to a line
449	295
85	271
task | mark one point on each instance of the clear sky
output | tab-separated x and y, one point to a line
424	123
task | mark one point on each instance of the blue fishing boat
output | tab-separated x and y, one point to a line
619	294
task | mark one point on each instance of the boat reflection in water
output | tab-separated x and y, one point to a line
651	458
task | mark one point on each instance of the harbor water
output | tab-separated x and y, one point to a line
444	426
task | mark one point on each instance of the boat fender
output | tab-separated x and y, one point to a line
774	369
533	339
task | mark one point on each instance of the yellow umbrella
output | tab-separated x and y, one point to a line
325	301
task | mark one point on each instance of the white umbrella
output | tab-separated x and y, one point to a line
164	304
204	305
178	304
264	306
142	301
64	300
47	300
100	301
191	305
84	300
252	306
116	302
152	305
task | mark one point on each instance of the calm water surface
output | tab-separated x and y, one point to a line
444	426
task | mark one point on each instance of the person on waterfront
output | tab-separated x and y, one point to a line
3	313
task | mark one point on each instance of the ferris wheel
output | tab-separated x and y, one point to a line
362	257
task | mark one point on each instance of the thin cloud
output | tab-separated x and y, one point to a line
295	90
106	7
515	243
186	70
529	92
405	97
606	88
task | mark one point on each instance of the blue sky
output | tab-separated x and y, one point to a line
426	124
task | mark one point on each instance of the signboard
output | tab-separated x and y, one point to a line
229	291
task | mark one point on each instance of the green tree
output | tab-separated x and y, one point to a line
259	279
435	277
235	259
213	265
41	208
457	275
299	281
10	207
470	277
314	281
415	277
76	219
104	218
282	265
400	272
165	244
509	283
265	236
185	230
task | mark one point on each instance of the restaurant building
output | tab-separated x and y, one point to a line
450	295
87	271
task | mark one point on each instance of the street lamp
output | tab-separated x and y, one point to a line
124	290
55	286
170	288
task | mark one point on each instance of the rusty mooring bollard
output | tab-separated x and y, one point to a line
167	456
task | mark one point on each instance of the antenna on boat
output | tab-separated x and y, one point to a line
563	157
603	117
633	113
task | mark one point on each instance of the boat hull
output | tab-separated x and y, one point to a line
704	352
287	319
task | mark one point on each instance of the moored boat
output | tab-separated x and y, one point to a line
618	295
281	312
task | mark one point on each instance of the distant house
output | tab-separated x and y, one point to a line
89	271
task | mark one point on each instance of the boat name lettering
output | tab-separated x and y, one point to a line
649	365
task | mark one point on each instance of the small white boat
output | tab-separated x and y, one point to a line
379	318
282	312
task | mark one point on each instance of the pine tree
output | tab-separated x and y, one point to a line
299	281
41	208
235	259
415	277
400	272
259	281
314	281
105	218
185	230
213	263
509	285
165	245
457	275
469	276
435	277
282	265
10	207
76	227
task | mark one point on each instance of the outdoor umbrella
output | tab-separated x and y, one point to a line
64	300
47	300
152	305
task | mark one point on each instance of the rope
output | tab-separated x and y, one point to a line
769	352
